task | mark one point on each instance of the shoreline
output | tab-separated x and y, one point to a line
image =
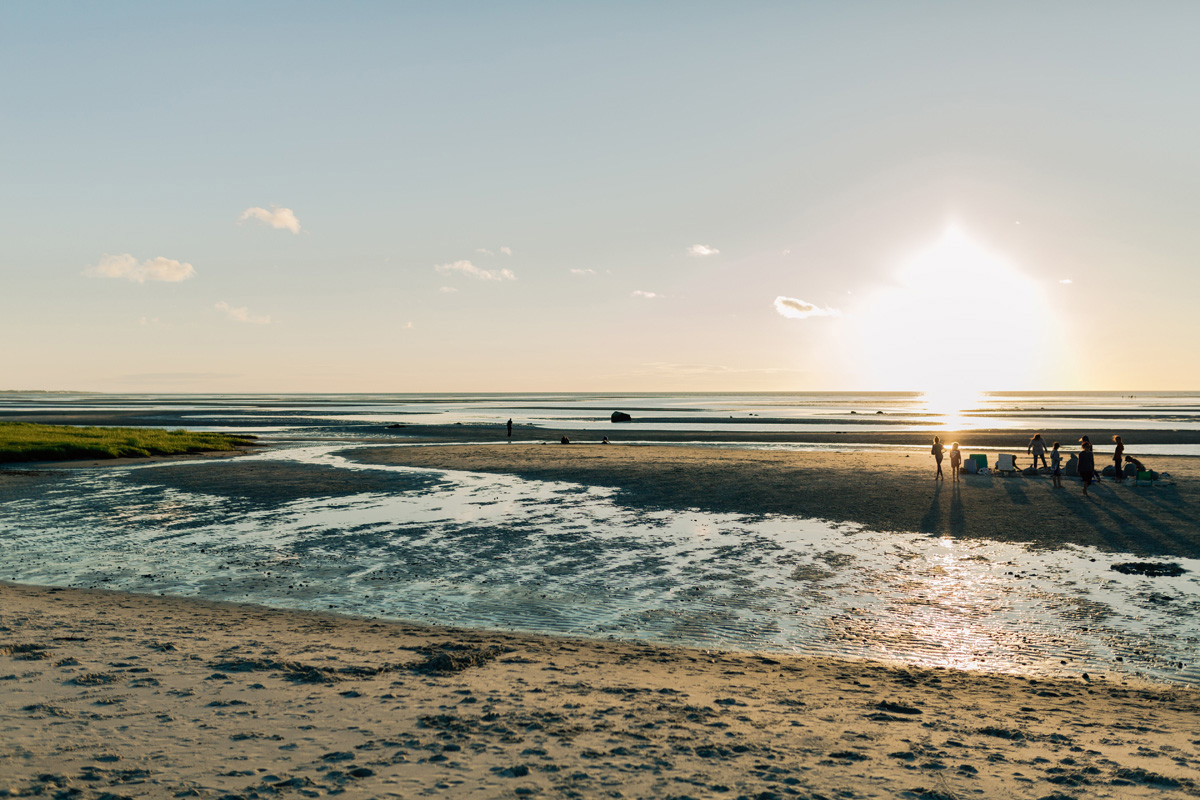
150	695
879	490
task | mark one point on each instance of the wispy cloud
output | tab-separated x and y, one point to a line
664	367
583	272
242	314
792	308
156	269
174	377
467	268
503	251
447	289
647	295
702	250
279	218
1066	280
506	250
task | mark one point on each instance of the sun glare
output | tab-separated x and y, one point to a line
958	320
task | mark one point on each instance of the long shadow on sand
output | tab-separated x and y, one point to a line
1129	532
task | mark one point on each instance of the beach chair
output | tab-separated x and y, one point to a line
1144	475
980	460
1004	464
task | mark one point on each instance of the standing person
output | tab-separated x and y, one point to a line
510	428
1118	460
955	460
1087	464
1056	466
1037	446
937	455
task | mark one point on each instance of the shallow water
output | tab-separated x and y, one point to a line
680	412
505	553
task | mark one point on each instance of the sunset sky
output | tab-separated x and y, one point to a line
230	197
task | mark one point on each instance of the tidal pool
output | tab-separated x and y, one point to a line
306	528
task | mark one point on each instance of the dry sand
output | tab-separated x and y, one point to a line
117	695
884	491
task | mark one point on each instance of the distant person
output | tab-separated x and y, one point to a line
1056	466
564	440
510	428
1137	466
955	460
604	440
1071	468
1037	446
937	456
1087	464
1118	458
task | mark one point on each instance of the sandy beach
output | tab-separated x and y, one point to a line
111	694
117	695
885	491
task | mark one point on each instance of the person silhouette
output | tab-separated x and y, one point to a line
1056	466
1118	459
1087	465
937	456
510	428
1037	446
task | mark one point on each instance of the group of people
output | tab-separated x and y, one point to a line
1037	449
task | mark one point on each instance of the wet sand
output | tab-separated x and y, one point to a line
118	695
884	491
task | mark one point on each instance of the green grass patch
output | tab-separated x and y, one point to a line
25	441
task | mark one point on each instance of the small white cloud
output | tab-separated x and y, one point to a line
1066	280
467	268
408	325
279	218
147	322
792	308
647	295
447	289
787	252
241	314
583	272
156	269
485	251
702	250
506	250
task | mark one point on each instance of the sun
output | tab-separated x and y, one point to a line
957	319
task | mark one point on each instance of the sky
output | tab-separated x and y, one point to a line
604	196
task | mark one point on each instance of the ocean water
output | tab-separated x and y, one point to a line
807	411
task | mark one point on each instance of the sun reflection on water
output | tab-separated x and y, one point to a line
951	404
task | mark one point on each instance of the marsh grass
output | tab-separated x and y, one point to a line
25	441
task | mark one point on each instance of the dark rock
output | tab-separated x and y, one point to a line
1149	569
621	416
